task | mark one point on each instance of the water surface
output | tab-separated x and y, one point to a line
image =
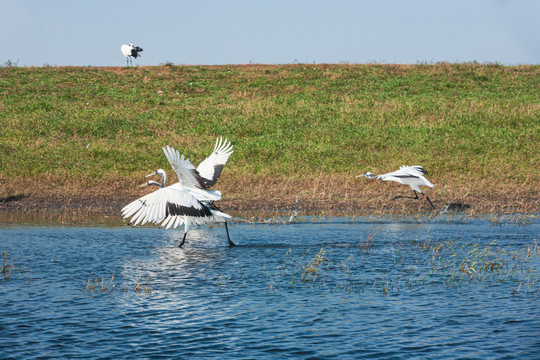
330	288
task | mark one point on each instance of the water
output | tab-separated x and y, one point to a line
338	288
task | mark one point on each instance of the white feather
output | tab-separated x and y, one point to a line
220	155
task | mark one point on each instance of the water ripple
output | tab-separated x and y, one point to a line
310	291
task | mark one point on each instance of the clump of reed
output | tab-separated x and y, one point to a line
8	267
520	219
369	242
97	285
101	286
142	287
312	269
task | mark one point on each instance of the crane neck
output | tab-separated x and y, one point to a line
163	176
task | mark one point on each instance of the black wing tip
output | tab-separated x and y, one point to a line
419	168
175	210
406	176
202	182
217	173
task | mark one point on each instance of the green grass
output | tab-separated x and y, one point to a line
465	123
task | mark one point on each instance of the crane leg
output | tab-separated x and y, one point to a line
214	206
415	197
231	244
408	197
183	241
430	203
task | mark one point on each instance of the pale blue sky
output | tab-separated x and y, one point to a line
79	33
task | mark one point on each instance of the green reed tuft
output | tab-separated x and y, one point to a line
8	266
97	285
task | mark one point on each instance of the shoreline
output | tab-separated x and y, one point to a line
362	205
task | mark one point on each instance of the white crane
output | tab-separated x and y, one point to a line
406	175
130	52
210	170
187	202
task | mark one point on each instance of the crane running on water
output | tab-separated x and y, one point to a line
195	205
406	175
210	170
130	52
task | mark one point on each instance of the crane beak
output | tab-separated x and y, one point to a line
143	185
369	175
152	174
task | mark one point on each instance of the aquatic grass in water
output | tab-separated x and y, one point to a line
417	263
449	263
521	219
97	285
94	285
8	266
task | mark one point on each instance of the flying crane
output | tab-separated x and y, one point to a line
406	175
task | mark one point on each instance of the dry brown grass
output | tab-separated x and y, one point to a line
322	192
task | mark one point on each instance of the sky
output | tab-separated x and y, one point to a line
218	32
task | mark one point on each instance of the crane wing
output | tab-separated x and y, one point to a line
408	175
201	195
184	169
126	50
210	169
413	169
417	171
166	203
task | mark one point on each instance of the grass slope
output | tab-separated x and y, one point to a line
301	132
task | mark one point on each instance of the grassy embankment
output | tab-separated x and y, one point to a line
301	133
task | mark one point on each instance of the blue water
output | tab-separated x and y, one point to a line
325	290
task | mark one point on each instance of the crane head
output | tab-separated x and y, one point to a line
161	173
369	175
158	172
